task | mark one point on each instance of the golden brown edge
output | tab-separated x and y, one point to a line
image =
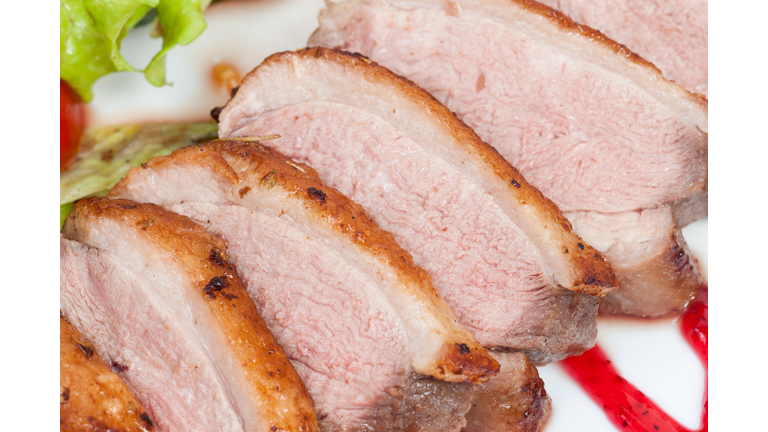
283	398
92	396
465	361
675	264
594	274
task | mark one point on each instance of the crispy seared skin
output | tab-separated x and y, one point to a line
270	389
362	323
459	358
673	262
92	396
650	258
463	359
590	123
574	263
501	255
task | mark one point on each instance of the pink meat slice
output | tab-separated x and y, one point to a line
592	125
672	35
501	255
645	247
358	320
155	294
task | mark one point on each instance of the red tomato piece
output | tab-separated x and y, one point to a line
72	122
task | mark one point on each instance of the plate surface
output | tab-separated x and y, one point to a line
650	354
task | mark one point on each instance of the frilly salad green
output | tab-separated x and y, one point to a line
91	32
109	152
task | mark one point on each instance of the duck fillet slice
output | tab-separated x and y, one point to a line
92	396
589	123
670	34
513	401
649	254
362	324
502	256
157	297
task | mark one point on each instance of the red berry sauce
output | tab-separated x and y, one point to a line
626	406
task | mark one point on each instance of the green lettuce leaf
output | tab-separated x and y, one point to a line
91	32
64	211
108	152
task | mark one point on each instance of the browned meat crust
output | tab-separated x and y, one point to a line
543	23
92	397
674	266
328	204
283	401
566	334
464	360
422	403
591	272
513	401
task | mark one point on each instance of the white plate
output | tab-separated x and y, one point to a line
651	355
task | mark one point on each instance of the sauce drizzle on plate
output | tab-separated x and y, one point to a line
626	406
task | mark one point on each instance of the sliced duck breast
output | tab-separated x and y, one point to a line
649	255
589	123
501	255
370	336
92	396
157	297
672	35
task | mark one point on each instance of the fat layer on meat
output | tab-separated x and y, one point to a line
649	254
589	123
672	35
362	324
502	256
157	297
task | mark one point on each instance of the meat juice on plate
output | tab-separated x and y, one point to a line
243	34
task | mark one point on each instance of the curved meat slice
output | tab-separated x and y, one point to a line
362	324
92	396
501	255
593	126
155	294
672	35
513	401
649	255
